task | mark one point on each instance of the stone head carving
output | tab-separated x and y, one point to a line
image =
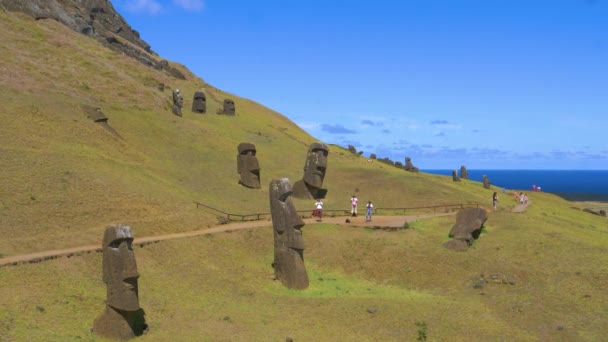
409	166
248	166
486	182
288	263
122	318
314	172
464	174
199	102
120	269
455	177
229	107
178	102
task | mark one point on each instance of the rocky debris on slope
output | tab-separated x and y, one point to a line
95	18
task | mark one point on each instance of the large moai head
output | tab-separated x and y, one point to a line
288	263
120	269
248	166
229	107
464	174
316	164
199	102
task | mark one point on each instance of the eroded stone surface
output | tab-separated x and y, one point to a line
315	167
248	166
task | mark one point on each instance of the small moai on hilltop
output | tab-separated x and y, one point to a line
199	103
486	182
122	318
464	174
228	107
287	226
468	226
248	166
178	102
372	156
352	149
409	166
455	177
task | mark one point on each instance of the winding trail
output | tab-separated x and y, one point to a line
359	221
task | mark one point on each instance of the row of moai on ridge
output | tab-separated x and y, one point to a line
199	104
464	174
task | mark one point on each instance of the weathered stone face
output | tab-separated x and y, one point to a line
468	226
288	263
316	164
464	174
455	177
409	166
486	182
120	269
199	102
248	166
178	102
229	107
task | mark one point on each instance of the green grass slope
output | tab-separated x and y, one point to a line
64	178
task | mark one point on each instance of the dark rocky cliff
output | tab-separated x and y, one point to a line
95	18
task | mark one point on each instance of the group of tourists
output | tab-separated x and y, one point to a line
354	202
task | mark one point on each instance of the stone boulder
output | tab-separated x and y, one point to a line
468	226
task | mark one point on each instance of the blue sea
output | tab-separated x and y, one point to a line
574	185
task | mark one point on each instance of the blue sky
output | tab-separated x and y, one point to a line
491	84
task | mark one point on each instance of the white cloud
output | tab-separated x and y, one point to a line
190	5
146	6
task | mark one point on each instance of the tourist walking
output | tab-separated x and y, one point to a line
494	200
353	202
369	211
319	209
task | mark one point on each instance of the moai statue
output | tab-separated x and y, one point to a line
123	318
409	166
486	182
229	108
288	262
372	156
455	177
247	166
199	103
464	174
309	187
178	102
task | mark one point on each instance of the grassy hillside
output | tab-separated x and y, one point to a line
63	178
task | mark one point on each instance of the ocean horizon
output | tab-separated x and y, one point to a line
573	185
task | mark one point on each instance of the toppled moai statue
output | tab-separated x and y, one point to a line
96	115
288	262
409	166
122	318
468	226
464	174
199	103
455	177
248	166
178	102
486	182
228	107
309	187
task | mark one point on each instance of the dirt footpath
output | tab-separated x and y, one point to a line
359	221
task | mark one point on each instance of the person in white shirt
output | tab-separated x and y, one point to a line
354	201
319	206
370	210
